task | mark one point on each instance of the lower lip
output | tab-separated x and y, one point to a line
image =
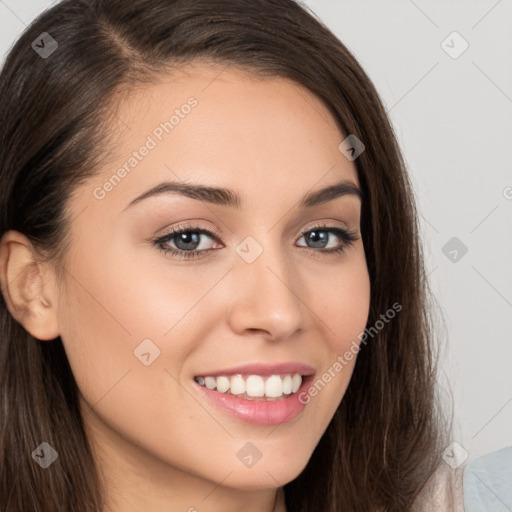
260	412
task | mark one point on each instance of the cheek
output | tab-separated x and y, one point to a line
342	300
117	310
111	310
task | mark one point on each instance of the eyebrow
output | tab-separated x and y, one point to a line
230	198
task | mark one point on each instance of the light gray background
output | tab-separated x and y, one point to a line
453	117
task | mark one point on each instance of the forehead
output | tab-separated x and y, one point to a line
225	127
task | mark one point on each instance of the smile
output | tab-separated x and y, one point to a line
253	387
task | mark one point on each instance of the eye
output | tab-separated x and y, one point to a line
322	236
192	241
188	241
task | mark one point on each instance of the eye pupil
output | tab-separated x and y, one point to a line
187	239
318	237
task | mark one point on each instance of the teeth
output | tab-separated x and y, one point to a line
237	385
287	385
296	382
210	382
255	386
274	386
222	384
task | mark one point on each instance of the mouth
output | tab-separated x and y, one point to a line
257	399
257	392
254	387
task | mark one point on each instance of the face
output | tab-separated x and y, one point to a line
255	288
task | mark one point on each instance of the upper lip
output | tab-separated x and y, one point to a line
263	369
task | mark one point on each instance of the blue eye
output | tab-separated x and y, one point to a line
187	243
321	235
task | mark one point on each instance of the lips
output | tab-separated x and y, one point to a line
260	410
262	369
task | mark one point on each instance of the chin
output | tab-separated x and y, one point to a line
274	473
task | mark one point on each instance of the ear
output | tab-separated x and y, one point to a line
28	287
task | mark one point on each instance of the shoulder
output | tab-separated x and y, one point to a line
487	482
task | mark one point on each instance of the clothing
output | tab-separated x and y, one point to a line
482	485
488	482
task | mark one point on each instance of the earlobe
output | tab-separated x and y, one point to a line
28	297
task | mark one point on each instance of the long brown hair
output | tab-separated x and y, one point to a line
384	440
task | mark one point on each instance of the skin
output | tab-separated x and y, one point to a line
161	446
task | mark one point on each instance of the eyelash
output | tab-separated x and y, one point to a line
347	237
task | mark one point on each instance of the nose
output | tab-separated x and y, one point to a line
267	296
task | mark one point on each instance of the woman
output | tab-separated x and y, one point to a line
213	289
